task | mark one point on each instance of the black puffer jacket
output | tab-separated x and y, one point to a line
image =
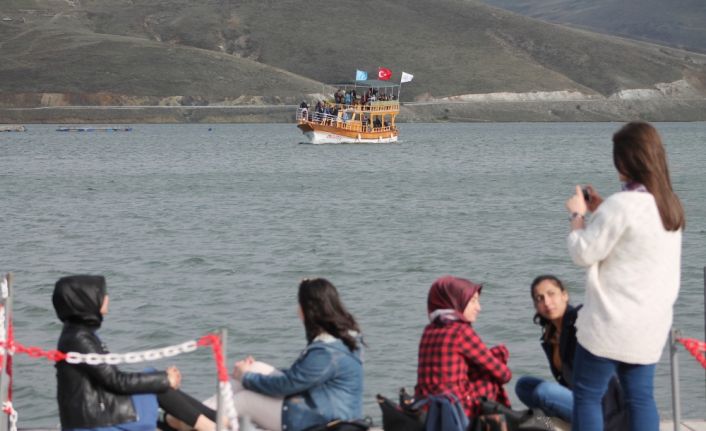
93	396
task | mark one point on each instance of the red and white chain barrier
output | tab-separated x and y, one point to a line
214	341
224	385
696	348
5	360
8	409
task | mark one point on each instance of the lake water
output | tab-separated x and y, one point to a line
197	229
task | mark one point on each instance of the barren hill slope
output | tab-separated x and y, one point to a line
213	50
678	23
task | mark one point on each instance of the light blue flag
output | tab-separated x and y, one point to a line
361	75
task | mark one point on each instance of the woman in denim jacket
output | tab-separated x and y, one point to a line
323	384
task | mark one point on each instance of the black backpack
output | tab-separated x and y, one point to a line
404	416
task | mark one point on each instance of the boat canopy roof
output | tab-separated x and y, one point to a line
372	83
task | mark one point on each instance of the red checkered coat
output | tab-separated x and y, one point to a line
452	358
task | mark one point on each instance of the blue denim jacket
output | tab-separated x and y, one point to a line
323	384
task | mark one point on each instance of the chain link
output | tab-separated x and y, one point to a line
10	410
131	357
696	348
97	359
4	288
227	398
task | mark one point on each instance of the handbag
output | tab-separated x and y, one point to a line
406	416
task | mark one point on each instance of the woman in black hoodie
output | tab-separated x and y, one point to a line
101	397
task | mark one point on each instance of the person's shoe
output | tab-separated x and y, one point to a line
536	420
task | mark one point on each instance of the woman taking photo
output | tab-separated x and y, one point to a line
101	397
324	384
631	247
452	357
557	316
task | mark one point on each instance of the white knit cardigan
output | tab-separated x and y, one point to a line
633	272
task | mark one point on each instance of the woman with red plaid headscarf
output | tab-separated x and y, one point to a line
452	358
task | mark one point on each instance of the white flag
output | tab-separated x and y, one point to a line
406	77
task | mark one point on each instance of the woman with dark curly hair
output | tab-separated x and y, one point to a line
325	383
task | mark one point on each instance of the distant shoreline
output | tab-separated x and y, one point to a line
414	112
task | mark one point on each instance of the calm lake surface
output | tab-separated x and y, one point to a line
197	230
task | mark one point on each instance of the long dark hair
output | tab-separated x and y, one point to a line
324	312
639	155
547	327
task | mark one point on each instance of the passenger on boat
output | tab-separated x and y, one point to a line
557	316
326	381
347	98
377	122
631	249
452	357
102	397
318	111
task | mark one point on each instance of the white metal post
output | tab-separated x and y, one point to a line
220	407
6	304
674	361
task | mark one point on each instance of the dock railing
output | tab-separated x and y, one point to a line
674	363
227	416
339	122
5	322
691	345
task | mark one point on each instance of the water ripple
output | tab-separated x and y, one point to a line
198	232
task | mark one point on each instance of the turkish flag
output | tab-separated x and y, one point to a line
384	73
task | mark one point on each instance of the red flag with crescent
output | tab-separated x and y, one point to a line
384	74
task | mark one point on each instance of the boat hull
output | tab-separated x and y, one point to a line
316	134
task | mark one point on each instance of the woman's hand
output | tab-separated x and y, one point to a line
577	207
241	367
576	203
174	376
595	200
500	352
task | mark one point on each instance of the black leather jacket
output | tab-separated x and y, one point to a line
615	412
567	347
93	396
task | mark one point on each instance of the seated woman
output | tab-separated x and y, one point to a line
326	381
101	397
452	357
557	317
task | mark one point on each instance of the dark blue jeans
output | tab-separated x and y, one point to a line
591	376
146	410
551	397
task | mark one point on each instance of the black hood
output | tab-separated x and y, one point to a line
78	299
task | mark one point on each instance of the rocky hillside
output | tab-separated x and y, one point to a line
181	52
676	23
